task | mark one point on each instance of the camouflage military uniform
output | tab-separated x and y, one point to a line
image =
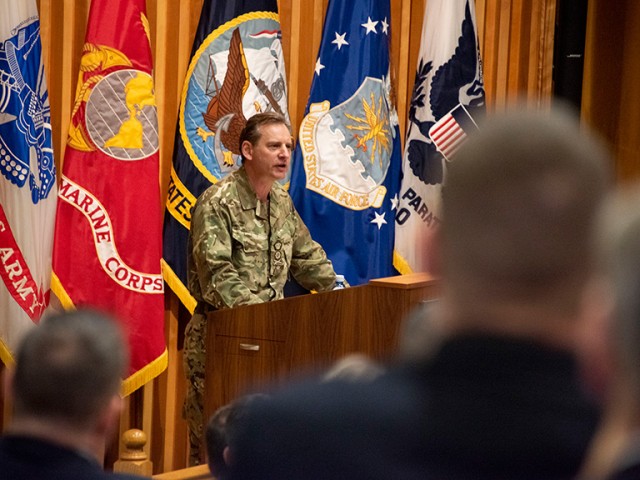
240	252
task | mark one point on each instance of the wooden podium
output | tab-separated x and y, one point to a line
256	346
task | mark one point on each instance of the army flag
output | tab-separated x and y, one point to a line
27	175
346	166
108	236
236	70
448	97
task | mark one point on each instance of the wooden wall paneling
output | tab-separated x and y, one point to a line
534	80
126	422
546	45
169	450
414	32
148	424
319	11
603	69
290	26
516	41
46	33
74	25
315	23
174	31
284	12
173	27
481	6
301	23
518	44
158	14
488	50
541	26
504	40
628	132
63	31
406	31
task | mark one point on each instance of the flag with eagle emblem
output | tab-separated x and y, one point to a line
236	70
448	94
108	236
346	166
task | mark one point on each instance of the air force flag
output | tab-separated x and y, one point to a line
346	166
447	95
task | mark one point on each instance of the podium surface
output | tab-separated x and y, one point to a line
255	347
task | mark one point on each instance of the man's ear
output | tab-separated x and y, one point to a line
430	248
594	342
108	418
247	149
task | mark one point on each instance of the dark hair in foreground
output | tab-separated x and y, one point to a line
69	367
222	430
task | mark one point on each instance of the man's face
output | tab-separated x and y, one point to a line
269	158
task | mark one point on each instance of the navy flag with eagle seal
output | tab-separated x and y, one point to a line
236	70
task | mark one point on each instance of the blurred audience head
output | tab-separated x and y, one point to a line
67	377
420	334
69	368
611	352
519	208
355	367
222	430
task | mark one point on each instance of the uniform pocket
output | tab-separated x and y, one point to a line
249	250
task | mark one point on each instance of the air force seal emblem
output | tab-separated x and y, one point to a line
354	141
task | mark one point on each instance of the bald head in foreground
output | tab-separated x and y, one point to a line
499	397
517	245
65	391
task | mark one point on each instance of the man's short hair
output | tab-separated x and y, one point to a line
216	439
251	131
519	206
69	367
222	430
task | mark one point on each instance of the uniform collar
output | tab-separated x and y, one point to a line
247	197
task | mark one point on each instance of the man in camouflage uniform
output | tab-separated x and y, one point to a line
245	237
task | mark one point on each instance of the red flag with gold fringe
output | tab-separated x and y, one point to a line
108	237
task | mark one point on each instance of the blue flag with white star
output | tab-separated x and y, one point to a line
346	167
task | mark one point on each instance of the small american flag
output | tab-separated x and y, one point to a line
450	132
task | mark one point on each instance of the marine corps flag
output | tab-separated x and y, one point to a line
108	228
27	175
236	70
447	95
346	166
